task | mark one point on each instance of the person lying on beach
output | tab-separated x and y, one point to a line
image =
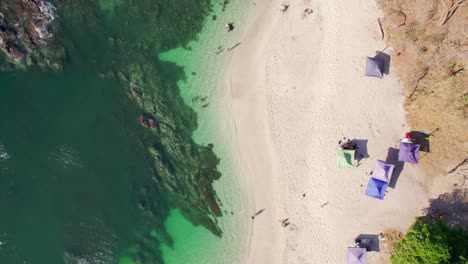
308	11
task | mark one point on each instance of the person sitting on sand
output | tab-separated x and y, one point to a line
407	138
285	8
347	144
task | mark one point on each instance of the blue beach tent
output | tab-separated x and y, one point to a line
376	188
374	67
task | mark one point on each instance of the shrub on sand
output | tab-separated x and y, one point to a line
431	242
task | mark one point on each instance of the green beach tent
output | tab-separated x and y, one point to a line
345	158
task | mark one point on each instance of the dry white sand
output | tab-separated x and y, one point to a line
298	86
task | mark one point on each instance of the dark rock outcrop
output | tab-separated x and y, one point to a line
27	30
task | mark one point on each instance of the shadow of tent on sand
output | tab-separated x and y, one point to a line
361	153
386	59
392	157
422	139
369	241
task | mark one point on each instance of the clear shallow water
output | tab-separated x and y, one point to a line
192	244
205	63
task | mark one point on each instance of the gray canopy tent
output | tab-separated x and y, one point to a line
375	67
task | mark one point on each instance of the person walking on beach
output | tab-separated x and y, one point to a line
284	9
257	213
284	222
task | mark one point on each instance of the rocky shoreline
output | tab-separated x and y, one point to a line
27	36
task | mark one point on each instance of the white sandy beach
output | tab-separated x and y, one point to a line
298	86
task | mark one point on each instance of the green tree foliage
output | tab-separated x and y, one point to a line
429	242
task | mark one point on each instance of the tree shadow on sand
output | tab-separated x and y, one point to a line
451	208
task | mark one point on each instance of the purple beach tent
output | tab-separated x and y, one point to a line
383	171
380	179
355	255
409	152
374	67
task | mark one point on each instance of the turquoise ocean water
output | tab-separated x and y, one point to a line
73	156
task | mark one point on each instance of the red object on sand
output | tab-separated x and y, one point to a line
408	135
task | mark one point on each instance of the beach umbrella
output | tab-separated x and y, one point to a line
356	255
345	158
374	67
409	152
383	171
376	188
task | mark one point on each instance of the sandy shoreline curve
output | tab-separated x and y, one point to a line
297	85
